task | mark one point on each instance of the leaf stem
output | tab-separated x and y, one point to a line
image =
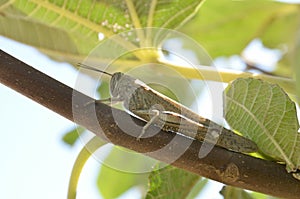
224	75
80	161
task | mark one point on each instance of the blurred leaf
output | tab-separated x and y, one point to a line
284	67
94	144
71	137
298	83
285	30
103	90
114	182
230	192
282	27
166	13
171	182
257	195
37	34
226	27
197	188
296	64
264	113
69	30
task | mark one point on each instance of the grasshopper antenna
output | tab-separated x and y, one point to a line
91	68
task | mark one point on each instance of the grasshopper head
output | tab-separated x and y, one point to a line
122	85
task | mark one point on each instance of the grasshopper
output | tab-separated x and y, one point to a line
155	108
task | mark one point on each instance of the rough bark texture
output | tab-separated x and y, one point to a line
225	166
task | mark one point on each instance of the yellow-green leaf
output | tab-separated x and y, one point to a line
230	192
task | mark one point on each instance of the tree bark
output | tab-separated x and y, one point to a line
239	170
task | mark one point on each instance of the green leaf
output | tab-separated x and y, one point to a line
69	30
103	90
226	27
285	30
113	182
38	35
257	195
295	64
82	157
264	113
282	27
171	182
230	192
197	188
165	13
72	136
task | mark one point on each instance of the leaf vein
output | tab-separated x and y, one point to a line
277	146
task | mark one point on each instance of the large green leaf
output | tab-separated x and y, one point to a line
226	27
264	113
69	30
171	182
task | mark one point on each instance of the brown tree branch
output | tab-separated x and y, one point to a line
225	166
